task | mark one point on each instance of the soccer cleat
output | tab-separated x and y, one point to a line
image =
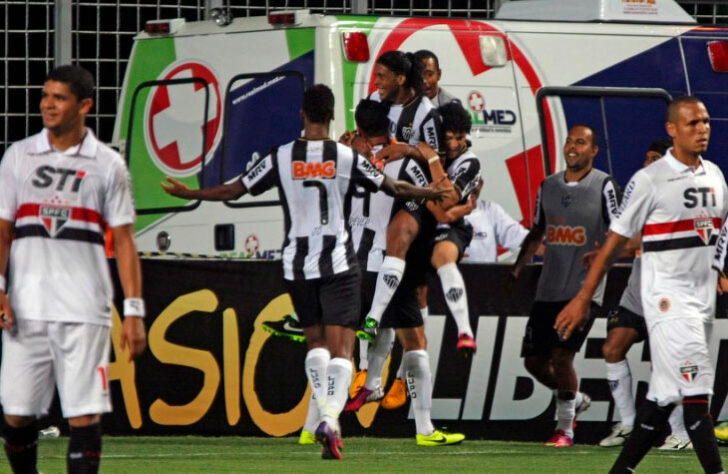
288	327
466	345
330	440
364	396
50	432
676	443
397	395
369	331
306	438
617	437
358	383
559	440
439	438
721	432
581	407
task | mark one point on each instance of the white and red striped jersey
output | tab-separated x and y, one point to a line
61	203
679	211
315	180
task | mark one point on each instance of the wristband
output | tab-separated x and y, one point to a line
3	282
134	307
433	159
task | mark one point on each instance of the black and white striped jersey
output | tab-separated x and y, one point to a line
314	179
360	210
464	173
414	122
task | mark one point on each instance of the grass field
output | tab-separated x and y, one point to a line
231	454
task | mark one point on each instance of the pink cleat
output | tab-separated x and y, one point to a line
330	439
559	440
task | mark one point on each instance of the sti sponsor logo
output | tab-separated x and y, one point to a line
45	176
303	170
566	235
703	197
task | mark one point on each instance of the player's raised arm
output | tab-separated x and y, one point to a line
6	237
133	334
575	313
222	192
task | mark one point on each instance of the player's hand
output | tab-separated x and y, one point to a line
6	314
133	336
722	284
393	152
347	137
174	187
570	318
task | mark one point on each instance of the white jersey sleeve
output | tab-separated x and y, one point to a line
8	192
119	203
366	174
508	232
637	203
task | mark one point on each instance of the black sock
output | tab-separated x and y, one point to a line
21	447
700	429
650	417
84	450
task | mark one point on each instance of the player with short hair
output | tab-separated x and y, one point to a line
573	211
625	327
678	204
59	189
431	75
314	175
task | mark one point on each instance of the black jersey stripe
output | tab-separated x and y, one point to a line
299	259
326	265
80	235
365	246
298	152
675	244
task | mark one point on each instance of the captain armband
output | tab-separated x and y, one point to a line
134	307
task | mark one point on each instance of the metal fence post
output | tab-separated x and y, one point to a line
62	42
359	7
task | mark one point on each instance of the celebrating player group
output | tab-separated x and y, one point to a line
395	204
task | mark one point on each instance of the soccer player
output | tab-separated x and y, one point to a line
58	191
573	210
625	327
678	204
314	175
431	75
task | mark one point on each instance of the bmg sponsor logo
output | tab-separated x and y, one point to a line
303	170
566	235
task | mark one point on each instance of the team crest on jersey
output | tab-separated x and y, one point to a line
664	304
704	228
566	200
688	371
54	218
407	133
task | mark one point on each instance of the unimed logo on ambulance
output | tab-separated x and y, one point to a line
303	170
566	235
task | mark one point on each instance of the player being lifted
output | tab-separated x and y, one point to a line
398	78
313	175
678	204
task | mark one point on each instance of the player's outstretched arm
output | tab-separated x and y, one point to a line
404	190
133	332
529	246
6	237
397	151
221	192
576	311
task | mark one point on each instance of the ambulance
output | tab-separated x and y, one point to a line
202	101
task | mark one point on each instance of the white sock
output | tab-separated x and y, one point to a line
312	417
565	413
388	279
419	384
620	383
378	353
338	378
456	298
400	371
363	350
677	423
317	362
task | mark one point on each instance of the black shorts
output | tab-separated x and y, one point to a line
624	318
368	285
334	300
460	233
404	310
541	336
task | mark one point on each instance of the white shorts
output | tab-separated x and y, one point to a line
681	365
40	354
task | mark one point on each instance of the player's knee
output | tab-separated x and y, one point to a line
562	359
696	411
534	365
652	416
16	421
84	420
613	352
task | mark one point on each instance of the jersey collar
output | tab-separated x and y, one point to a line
681	167
87	148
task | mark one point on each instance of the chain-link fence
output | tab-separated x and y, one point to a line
102	34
